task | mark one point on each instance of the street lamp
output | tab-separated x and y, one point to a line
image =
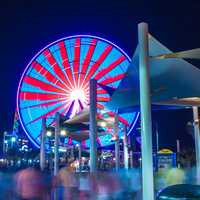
13	139
49	133
102	124
63	132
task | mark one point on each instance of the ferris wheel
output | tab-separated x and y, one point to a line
57	80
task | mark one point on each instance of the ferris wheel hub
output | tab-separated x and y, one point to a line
78	94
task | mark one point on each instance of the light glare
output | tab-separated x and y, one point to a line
77	94
63	133
49	133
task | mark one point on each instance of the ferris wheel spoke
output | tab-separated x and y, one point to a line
87	59
64	111
42	85
87	91
70	109
101	91
39	96
57	70
46	74
100	106
99	116
51	112
76	108
121	119
85	85
45	104
103	99
66	108
80	104
99	61
76	62
65	62
112	79
104	71
37	137
85	104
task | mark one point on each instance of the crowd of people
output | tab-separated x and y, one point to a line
69	184
186	158
32	184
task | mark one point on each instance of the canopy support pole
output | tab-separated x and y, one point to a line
117	157
79	155
125	141
56	144
197	141
131	159
93	125
178	153
72	152
42	145
145	109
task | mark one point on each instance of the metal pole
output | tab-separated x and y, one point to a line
42	145
79	156
72	153
145	109
157	139
126	159
117	156
56	143
178	153
178	146
4	144
93	125
131	159
197	141
157	148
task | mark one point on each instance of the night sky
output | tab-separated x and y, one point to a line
26	26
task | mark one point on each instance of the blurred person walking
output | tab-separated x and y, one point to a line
67	182
31	185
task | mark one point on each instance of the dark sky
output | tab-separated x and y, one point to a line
26	26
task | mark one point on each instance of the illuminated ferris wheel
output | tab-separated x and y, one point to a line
57	80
